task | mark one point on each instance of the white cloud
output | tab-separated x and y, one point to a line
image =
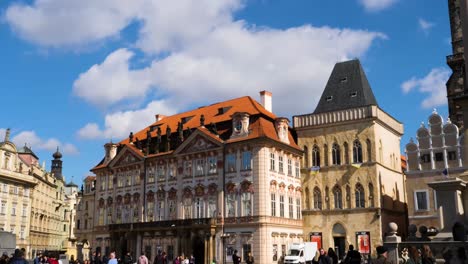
203	55
376	5
37	143
118	125
112	81
165	23
432	84
59	23
425	25
232	61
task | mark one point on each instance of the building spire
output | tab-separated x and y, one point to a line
7	135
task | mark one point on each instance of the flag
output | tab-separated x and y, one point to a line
356	165
445	172
314	169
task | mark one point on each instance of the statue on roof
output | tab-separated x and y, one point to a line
202	120
130	137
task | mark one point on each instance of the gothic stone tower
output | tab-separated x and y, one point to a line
457	91
351	172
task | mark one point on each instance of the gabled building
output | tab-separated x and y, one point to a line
352	180
206	182
16	185
32	199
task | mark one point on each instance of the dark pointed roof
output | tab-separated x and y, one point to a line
346	88
27	150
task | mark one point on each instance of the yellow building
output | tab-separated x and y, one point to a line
32	199
16	185
352	179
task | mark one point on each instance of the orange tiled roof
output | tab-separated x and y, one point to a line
89	178
211	114
262	125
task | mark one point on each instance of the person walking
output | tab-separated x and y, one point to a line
143	259
128	258
382	254
250	258
333	256
352	256
323	258
235	259
112	259
18	258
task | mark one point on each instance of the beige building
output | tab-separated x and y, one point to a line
84	220
48	223
71	202
16	185
206	182
437	176
32	199
352	179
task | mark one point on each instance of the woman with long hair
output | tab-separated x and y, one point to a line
426	255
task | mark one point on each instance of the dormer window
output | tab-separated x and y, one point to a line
282	124
240	124
329	98
353	94
344	79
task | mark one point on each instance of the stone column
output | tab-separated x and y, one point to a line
449	193
391	242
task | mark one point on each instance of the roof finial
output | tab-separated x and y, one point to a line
7	135
449	121
434	111
422	124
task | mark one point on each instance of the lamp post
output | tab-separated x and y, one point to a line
223	237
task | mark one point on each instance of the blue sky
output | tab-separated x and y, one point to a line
76	74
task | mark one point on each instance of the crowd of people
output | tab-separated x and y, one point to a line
161	258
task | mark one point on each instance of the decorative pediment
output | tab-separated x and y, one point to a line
125	157
198	143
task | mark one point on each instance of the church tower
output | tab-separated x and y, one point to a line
457	90
57	165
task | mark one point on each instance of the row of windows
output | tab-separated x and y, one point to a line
3	209
336	154
281	166
359	197
282	208
438	156
236	206
196	167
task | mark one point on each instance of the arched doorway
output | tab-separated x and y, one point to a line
339	239
198	247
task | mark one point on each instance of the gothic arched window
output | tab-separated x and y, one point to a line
357	152
338	197
336	158
316	156
317	198
359	195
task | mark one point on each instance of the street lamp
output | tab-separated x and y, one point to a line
223	237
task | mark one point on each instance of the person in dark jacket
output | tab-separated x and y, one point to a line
18	258
235	259
352	256
382	254
323	258
128	259
333	256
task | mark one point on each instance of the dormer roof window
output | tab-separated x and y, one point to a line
240	124
329	98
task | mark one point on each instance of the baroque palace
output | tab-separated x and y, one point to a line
34	201
206	182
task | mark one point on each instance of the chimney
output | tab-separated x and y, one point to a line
265	100
158	117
